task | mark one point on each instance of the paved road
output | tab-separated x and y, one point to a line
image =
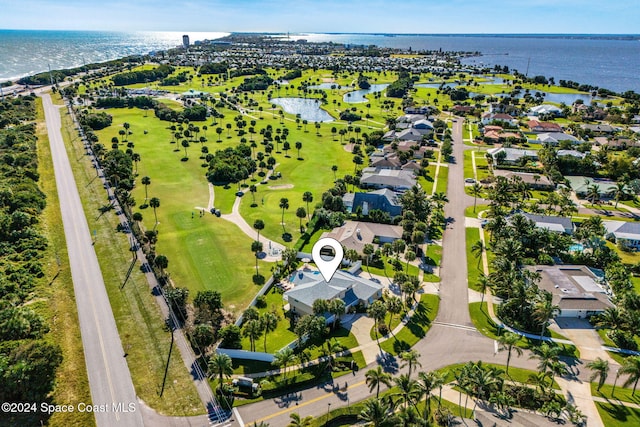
109	378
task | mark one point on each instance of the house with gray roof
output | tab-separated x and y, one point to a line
626	233
309	286
356	234
575	289
558	224
384	200
545	109
572	153
512	155
554	138
580	185
398	180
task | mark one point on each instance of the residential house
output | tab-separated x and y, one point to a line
545	109
580	185
309	286
384	200
572	153
398	180
498	117
554	138
599	129
626	233
535	181
543	127
512	156
558	224
575	289
386	162
589	112
355	234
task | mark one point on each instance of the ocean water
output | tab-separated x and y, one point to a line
25	53
611	62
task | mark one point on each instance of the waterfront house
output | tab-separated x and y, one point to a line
545	109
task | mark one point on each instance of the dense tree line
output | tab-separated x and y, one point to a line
125	102
142	76
247	72
293	74
214	68
401	86
96	121
28	361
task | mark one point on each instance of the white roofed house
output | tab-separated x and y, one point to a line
558	224
554	138
310	286
545	109
625	233
511	156
398	180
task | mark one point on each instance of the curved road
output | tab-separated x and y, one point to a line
109	379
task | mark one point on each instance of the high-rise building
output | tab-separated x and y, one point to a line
185	41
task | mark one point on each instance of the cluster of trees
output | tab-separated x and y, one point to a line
238	72
293	74
260	82
401	86
142	76
231	165
363	81
125	102
96	121
28	360
214	68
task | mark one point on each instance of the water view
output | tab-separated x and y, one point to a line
308	109
358	96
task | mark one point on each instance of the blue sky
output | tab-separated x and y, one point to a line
408	16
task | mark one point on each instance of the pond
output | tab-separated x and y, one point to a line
358	96
324	86
435	85
309	109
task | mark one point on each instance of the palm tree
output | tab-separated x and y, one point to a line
357	160
297	421
507	342
334	169
375	377
484	284
545	310
375	413
593	193
600	370
256	248
155	204
548	355
394	306
408	390
410	358
477	249
298	147
269	324
427	381
476	191
307	197
611	318
619	192
409	256
631	367
221	366
185	145
252	330
252	190
377	311
301	213
336	307
283	359
146	181
284	204
258	225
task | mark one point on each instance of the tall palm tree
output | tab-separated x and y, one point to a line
284	204
408	390
252	330
155	204
600	370
507	342
476	191
410	358
368	250
283	359
631	367
336	307
307	197
619	192
394	306
427	381
593	193
258	225
375	377
298	146
146	181
220	365
484	284
269	324
477	249
545	310
548	355
256	248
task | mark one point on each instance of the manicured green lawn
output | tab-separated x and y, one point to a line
474	265
138	318
434	254
469	212
441	183
621	393
416	328
618	415
384	268
426	182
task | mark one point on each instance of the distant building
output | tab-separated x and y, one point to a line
575	289
185	41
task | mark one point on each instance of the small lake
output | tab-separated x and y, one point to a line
324	86
435	85
309	109
358	96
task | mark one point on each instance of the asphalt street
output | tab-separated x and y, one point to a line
112	391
